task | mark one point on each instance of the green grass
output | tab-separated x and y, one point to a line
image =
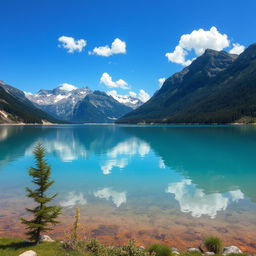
214	244
14	247
160	250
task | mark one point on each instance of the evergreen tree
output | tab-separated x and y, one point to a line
43	214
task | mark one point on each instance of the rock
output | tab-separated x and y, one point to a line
231	249
28	253
45	238
194	250
175	250
209	253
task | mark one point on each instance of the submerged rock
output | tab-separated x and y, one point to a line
29	253
231	249
45	238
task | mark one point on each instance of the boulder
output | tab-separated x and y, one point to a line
231	249
28	253
175	250
45	238
209	253
194	250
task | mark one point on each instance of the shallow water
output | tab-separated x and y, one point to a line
168	184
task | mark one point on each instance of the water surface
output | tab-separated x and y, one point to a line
165	184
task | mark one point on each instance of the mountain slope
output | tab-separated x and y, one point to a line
15	108
216	88
98	107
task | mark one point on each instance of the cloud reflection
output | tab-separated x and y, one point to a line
73	199
131	146
196	202
109	164
118	198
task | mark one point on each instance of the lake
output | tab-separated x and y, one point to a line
165	184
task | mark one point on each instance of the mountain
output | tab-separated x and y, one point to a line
98	107
59	102
74	104
217	87
127	100
16	108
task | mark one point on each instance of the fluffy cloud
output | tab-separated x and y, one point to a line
199	41
107	80
117	198
195	201
237	49
71	44
117	47
67	87
161	81
143	96
73	199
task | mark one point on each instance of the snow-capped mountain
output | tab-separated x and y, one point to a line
70	103
127	100
60	101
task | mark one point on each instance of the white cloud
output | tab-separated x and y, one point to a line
71	44
117	198
110	164
161	81
67	87
194	200
107	80
73	199
143	96
117	47
199	41
237	49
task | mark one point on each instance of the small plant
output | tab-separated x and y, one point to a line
72	237
95	247
159	250
132	250
214	244
43	214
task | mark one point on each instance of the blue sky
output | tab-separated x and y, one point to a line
32	57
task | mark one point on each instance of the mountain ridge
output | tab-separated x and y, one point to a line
201	92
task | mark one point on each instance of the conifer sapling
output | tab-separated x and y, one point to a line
44	215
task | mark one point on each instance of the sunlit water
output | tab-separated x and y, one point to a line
168	184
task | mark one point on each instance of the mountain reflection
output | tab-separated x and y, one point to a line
208	168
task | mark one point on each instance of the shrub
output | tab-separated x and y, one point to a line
160	250
214	244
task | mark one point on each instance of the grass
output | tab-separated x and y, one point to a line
160	250
14	247
214	244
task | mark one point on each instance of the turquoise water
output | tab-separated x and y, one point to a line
145	179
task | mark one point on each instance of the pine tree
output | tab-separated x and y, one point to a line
43	214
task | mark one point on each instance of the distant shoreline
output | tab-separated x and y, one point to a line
130	124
